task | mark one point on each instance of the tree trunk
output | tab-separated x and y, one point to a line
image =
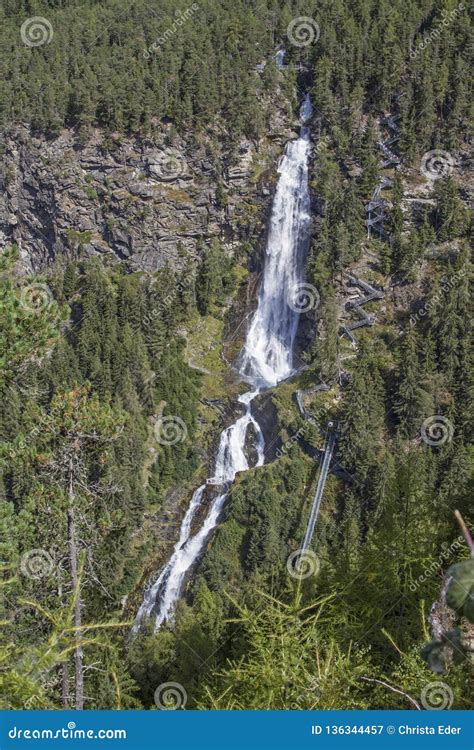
65	684
73	560
64	667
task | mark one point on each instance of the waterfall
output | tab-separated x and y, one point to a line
266	359
268	352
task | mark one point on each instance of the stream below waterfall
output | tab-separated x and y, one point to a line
266	359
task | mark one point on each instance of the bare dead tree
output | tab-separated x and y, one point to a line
69	470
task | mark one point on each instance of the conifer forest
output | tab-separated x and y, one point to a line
236	364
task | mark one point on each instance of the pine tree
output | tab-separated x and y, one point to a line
412	402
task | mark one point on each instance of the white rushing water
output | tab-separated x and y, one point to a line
267	359
268	351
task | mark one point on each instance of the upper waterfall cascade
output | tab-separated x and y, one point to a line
266	359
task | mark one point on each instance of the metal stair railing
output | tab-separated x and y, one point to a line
313	517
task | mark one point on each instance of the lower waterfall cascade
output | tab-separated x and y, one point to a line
266	359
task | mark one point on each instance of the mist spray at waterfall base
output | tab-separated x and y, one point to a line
266	359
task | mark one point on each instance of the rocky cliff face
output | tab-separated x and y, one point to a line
141	201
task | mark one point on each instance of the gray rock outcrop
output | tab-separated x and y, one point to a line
145	202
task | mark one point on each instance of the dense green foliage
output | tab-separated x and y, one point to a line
94	71
383	540
101	68
93	361
91	396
